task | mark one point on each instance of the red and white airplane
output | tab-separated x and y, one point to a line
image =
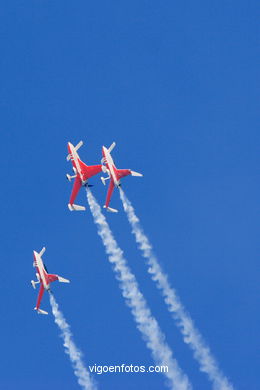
82	172
43	278
114	174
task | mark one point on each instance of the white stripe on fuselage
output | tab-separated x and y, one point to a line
40	267
111	165
75	157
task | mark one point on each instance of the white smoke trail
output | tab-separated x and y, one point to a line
81	372
190	334
146	323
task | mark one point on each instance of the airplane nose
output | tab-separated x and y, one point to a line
103	151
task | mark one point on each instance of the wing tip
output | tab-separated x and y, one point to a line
75	207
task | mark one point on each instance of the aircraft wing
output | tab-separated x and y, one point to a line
87	171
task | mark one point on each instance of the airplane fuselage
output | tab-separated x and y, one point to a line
41	271
75	160
110	165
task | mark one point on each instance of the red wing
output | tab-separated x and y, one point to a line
94	170
88	171
120	173
75	189
52	277
41	291
110	192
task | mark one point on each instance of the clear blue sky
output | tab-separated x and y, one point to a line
176	85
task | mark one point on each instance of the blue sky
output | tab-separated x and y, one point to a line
175	84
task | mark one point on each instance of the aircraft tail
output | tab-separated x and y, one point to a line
110	209
76	207
40	311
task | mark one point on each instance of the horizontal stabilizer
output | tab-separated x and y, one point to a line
111	147
39	311
76	207
110	209
133	173
63	280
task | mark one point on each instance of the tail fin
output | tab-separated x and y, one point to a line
76	207
40	311
110	209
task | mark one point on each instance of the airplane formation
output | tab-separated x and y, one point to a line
82	173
